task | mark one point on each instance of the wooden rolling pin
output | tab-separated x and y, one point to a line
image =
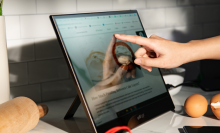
20	115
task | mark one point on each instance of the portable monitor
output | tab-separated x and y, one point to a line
112	89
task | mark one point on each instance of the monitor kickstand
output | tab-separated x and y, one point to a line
73	108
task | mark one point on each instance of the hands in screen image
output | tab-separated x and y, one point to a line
113	74
170	54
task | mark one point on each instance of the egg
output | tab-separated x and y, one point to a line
196	105
215	105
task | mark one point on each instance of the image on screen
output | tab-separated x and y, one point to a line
112	84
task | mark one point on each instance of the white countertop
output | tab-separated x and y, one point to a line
170	122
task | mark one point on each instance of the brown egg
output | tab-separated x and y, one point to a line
196	105
196	126
215	105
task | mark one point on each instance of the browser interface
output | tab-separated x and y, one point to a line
112	84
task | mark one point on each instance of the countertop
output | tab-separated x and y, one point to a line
170	122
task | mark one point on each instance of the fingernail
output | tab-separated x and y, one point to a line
150	70
137	61
117	35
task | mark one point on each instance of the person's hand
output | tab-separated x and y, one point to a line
156	51
109	65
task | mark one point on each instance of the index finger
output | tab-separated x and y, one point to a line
135	39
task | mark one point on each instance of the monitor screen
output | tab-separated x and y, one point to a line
112	84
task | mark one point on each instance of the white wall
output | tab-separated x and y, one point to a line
37	67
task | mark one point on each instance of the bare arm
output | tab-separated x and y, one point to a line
204	49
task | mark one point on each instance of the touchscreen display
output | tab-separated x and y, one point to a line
112	84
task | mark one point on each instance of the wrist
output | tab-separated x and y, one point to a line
201	49
191	51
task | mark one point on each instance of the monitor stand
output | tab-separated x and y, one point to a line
72	110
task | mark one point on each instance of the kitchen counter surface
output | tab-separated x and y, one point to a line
170	122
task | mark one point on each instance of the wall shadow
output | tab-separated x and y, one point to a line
206	72
22	81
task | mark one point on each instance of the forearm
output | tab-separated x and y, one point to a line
203	49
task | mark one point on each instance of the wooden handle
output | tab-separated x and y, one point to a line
43	110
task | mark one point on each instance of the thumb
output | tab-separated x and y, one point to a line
146	61
110	46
